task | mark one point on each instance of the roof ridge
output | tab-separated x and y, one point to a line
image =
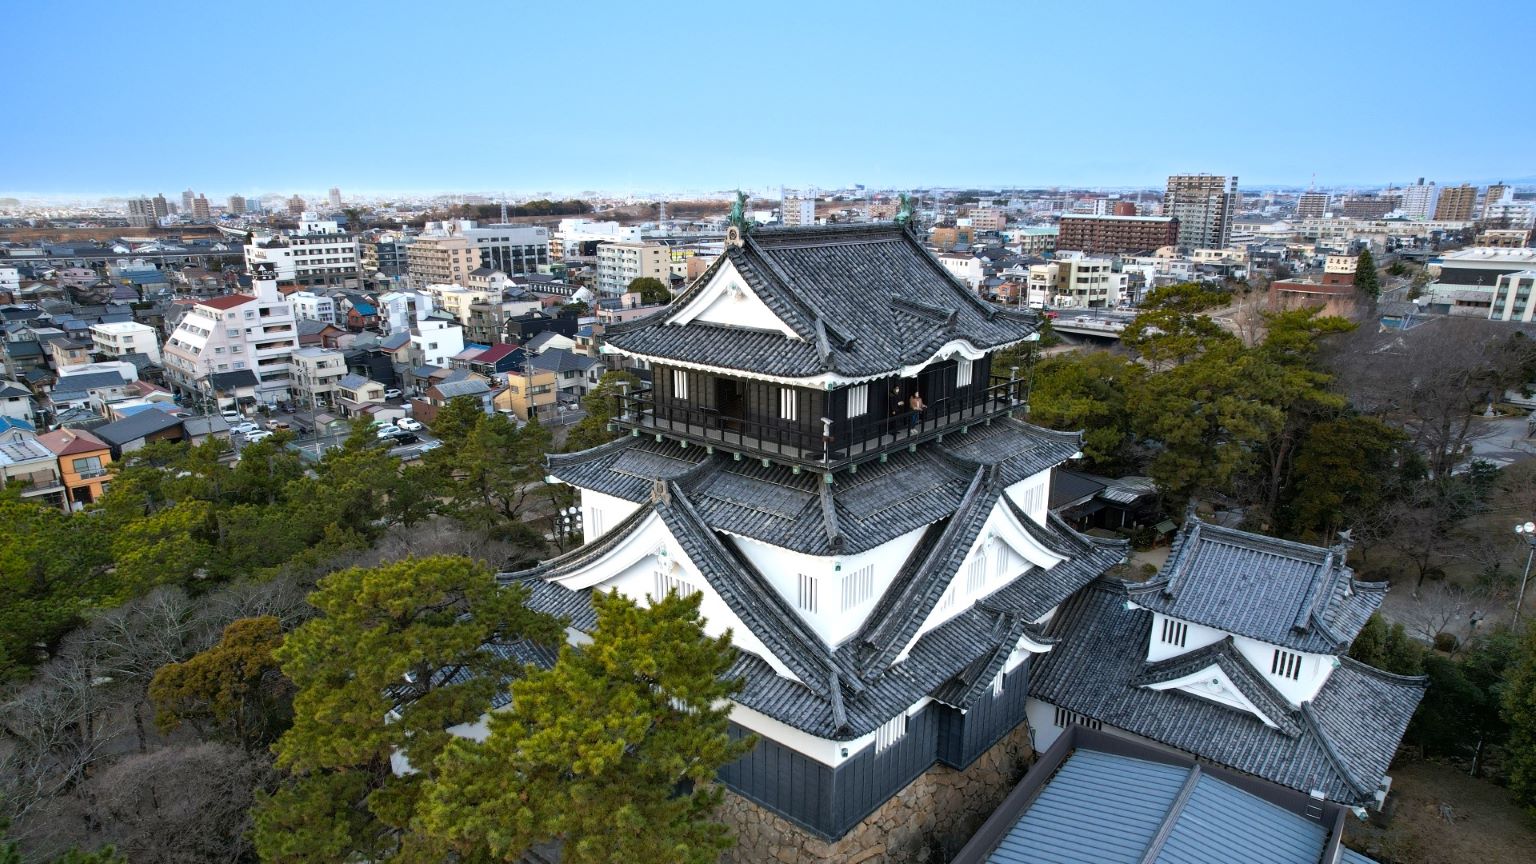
586	551
1421	681
829	516
558	460
801	306
1171	818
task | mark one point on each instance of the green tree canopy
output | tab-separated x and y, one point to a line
235	686
1367	280
613	751
650	289
1089	392
601	405
396	656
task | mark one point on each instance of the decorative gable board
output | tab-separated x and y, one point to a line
728	301
1212	683
650	557
1002	535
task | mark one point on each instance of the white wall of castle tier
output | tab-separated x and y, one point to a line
1044	731
600	512
1214	684
1311	671
833	595
649	560
1033	494
728	300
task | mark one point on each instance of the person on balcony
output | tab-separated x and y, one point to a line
917	405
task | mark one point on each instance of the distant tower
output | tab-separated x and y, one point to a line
186	200
335	198
661	211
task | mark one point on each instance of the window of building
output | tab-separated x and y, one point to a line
805	597
963	372
976	575
1286	664
858	400
1174	632
679	384
789	405
890	732
1066	717
219	350
90	466
858	586
997	684
667	581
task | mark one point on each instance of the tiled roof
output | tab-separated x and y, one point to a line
561	360
862	301
880	502
1277	591
1340	743
133	428
227	301
225	382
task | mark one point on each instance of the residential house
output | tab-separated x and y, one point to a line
530	393
356	392
25	461
83	464
92	390
575	373
495	361
317	373
235	390
64	352
319	334
137	430
16	401
12	430
434	341
438	395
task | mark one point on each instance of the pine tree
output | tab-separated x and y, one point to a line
396	656
1367	280
612	752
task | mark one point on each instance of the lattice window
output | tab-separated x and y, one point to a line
667	581
1286	664
963	372
950	596
858	400
1066	717
679	384
805	598
1175	632
997	684
976	575
858	586
789	404
890	732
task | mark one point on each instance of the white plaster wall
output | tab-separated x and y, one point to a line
610	511
1315	669
1198	636
728	301
1042	725
1032	494
782	568
1215	685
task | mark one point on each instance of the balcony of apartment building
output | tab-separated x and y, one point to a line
816	429
280	311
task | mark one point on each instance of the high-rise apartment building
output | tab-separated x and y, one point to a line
236	205
296	206
141	212
1456	204
1114	234
1495	196
200	209
441	259
335	196
1419	200
233	333
186	200
512	249
1204	204
797	212
1312	205
386	254
162	206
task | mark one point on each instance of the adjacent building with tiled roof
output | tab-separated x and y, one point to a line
1234	652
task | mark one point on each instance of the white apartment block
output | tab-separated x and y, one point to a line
456	300
434	341
1512	297
1076	281
318	253
512	249
1419	200
618	264
10	280
798	212
116	338
310	306
575	235
235	332
1520	214
316	373
966	268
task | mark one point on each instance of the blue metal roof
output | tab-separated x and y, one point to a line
1101	808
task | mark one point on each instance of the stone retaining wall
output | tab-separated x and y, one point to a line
925	823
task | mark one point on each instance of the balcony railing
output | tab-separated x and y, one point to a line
820	444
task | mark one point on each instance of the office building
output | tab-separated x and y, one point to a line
1469	278
1419	200
318	252
1513	297
1204	204
1456	203
618	264
512	249
236	205
1117	234
1312	205
579	238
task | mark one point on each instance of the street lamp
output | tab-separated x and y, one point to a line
1527	532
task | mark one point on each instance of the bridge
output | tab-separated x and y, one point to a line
1099	326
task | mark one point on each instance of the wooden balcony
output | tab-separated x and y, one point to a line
823	444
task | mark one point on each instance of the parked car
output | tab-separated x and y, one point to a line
392	393
274	425
258	435
388	430
409	424
431	445
247	428
231	415
403	438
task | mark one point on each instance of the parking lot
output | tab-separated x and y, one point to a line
313	446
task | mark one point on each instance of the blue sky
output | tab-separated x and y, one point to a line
277	96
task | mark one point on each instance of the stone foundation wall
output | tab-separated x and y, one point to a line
925	823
